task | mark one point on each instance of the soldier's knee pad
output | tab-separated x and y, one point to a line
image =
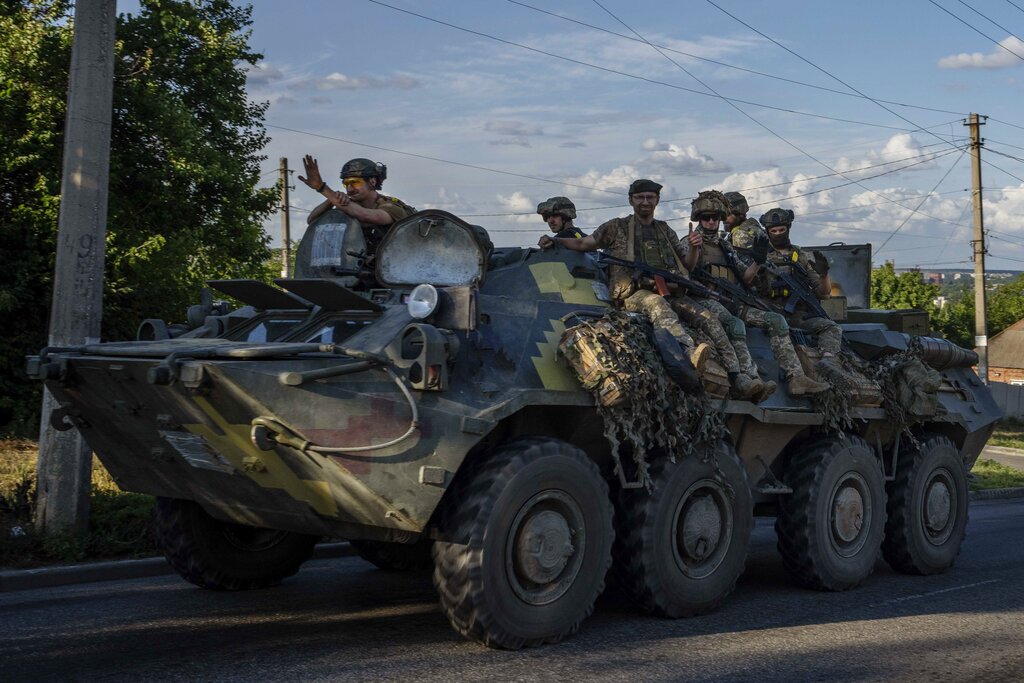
777	325
734	327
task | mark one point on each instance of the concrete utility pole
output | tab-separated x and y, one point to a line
978	245
286	226
64	469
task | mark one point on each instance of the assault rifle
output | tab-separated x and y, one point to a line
799	290
662	277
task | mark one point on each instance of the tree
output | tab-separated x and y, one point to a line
891	291
185	156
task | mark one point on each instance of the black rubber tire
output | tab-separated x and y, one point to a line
822	547
225	556
396	557
919	540
548	491
660	535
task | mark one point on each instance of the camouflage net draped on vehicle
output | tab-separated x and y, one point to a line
614	358
909	388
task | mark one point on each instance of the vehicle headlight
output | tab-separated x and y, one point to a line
423	301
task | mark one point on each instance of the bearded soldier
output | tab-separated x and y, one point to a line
362	199
559	213
786	257
719	259
641	237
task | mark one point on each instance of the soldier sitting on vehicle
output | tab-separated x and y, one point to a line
642	238
362	200
786	258
559	213
740	260
707	253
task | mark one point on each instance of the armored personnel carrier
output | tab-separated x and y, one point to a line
419	410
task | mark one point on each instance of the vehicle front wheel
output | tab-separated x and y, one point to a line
223	555
927	508
830	528
526	535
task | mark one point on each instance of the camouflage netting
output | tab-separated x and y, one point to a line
909	388
641	407
835	404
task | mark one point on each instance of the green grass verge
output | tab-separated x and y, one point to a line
1009	433
989	474
120	523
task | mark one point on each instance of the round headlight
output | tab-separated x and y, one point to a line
422	301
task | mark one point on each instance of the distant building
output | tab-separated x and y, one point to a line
933	278
1006	355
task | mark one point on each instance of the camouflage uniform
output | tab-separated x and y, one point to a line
830	335
655	244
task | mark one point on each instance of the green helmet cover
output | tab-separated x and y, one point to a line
709	201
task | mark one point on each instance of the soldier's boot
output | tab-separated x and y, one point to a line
745	387
749	368
799	383
699	357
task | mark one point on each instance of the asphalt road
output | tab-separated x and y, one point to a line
1012	457
342	619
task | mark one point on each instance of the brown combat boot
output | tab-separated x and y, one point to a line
699	357
801	384
769	389
748	388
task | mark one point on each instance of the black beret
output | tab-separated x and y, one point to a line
644	185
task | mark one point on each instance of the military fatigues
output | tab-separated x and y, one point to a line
394	207
830	335
715	258
657	245
570	232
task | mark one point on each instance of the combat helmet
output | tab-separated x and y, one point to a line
775	217
736	203
709	201
365	168
561	206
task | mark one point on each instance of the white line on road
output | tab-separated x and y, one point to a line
929	594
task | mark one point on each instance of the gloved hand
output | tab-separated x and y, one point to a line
820	263
759	252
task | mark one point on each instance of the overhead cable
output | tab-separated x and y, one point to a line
976	30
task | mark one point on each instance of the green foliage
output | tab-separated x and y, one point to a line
185	155
120	524
892	291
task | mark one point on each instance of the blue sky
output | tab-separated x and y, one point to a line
344	75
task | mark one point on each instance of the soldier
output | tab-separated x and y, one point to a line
717	257
362	180
559	213
786	257
706	252
641	237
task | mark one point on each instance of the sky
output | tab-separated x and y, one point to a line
849	113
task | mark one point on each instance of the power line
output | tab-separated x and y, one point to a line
438	159
991	21
1015	5
1003	154
1006	123
976	30
725	64
944	176
634	76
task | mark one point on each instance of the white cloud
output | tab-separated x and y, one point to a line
262	74
340	81
687	160
999	58
519	203
896	154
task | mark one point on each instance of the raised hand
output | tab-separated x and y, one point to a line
312	178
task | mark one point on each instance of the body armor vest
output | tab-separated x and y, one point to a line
716	261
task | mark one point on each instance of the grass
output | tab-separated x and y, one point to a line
120	523
989	474
1009	433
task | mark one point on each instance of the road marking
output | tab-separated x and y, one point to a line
929	594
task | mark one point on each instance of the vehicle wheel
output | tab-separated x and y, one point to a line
527	542
396	557
830	528
927	509
681	548
226	556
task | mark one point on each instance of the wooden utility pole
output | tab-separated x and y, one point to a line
974	122
64	469
286	226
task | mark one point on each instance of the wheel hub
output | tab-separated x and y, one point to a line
701	528
544	546
847	514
